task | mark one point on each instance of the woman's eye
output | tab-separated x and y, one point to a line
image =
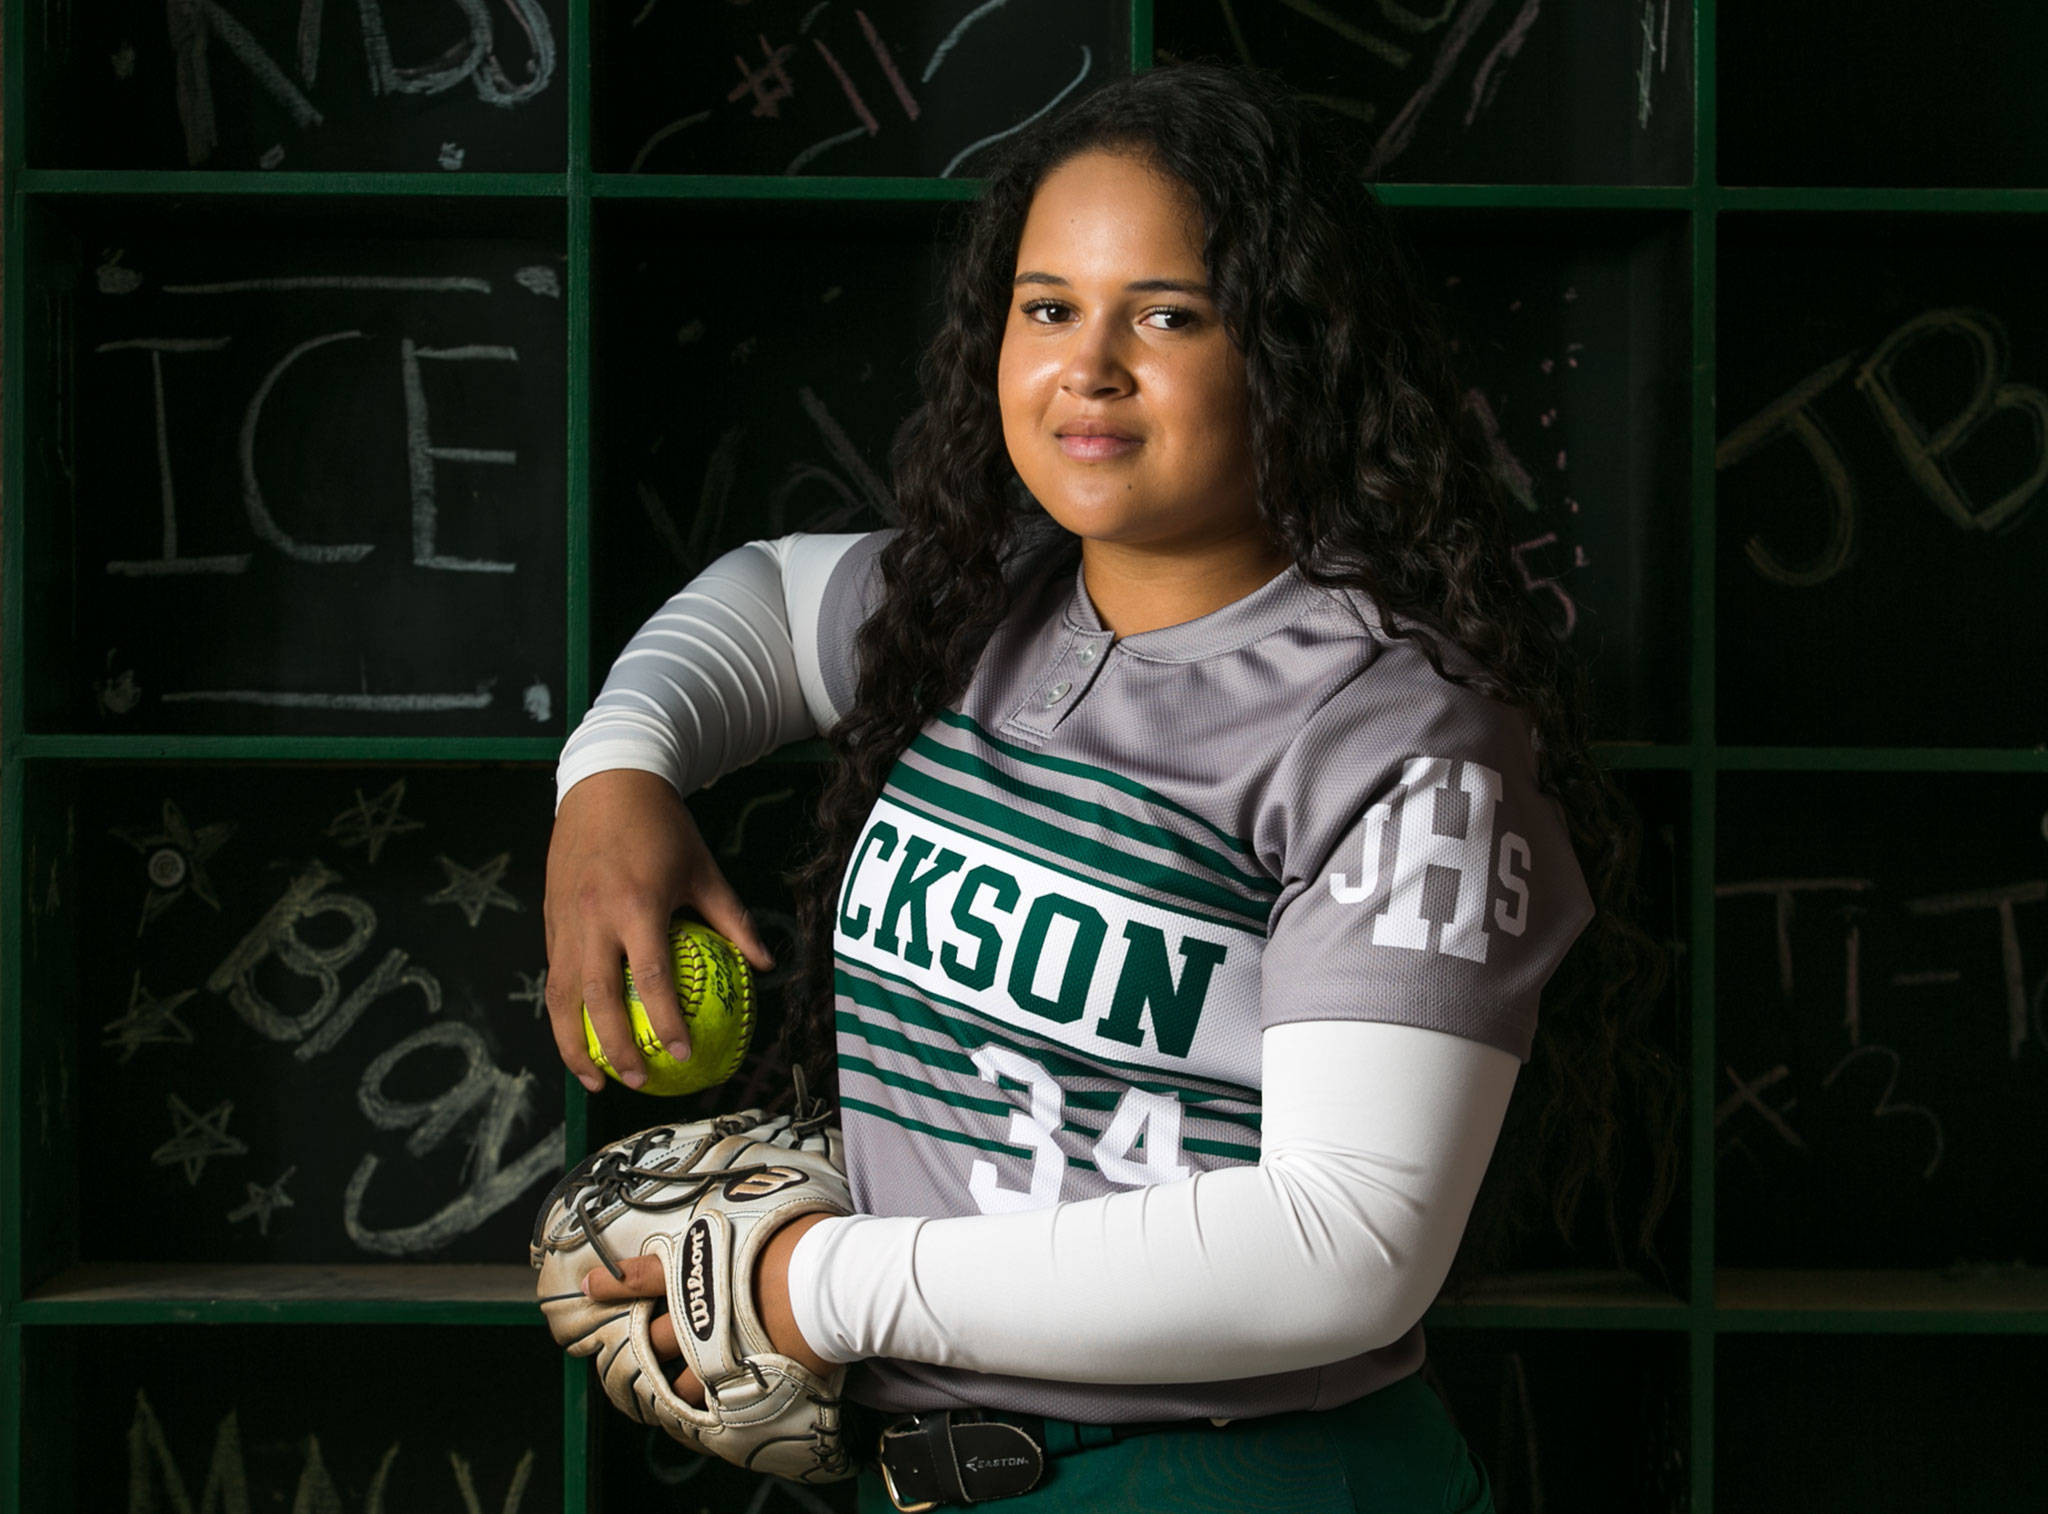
1160	318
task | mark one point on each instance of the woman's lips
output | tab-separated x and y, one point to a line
1075	445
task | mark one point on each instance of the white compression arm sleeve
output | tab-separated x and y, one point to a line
722	674
1375	1137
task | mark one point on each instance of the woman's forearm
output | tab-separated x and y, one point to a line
1375	1139
722	674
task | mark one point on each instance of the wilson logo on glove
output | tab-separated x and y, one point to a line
697	1196
759	1185
697	1281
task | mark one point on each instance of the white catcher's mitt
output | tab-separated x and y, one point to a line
704	1197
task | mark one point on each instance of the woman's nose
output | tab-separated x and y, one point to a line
1095	362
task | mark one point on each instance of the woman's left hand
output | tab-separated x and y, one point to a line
771	1299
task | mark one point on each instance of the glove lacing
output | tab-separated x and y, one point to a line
613	1174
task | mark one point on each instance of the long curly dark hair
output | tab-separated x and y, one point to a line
1369	477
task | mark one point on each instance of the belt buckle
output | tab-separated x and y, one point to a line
889	1486
888	1480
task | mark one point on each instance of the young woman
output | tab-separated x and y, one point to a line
1210	812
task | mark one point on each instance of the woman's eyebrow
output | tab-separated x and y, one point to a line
1136	286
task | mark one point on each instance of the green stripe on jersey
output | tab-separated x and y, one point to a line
958	1138
1004	820
957	1100
1107	777
945	1059
1092	811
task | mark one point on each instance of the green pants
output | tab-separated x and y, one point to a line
1390	1452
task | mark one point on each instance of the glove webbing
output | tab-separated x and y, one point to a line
612	1174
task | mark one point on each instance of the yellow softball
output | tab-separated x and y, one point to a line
717	996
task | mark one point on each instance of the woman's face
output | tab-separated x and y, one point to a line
1123	398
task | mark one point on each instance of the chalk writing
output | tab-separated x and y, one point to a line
369	823
1999	901
497	1100
1654	26
1884	1108
1880	1039
1471	91
265	1199
1927	453
190	848
735	843
276	937
286	404
1489	343
533	990
668	1466
475	59
820	77
154	1480
195	1137
148	1020
475	889
861	494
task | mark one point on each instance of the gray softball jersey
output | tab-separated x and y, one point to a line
1087	889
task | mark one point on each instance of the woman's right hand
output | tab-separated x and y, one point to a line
624	857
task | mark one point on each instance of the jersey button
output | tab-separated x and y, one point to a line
1056	693
1087	655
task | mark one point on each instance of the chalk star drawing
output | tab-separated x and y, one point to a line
474	889
264	1202
176	854
533	989
149	1020
372	822
197	1137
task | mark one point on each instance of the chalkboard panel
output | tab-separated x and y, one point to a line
1883	400
752	370
1478	92
310	1418
1883	1424
1882	92
304	465
1572	346
1589	1421
1881	958
258	84
306	1009
796	87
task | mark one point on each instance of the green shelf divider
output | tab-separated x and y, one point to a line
1699	958
1538	196
1674	1319
170	183
157	748
655	186
509	1315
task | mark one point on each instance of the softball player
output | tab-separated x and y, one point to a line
1187	888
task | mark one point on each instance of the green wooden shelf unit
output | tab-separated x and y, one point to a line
1837	777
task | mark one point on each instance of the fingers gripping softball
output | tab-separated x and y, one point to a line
711	981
